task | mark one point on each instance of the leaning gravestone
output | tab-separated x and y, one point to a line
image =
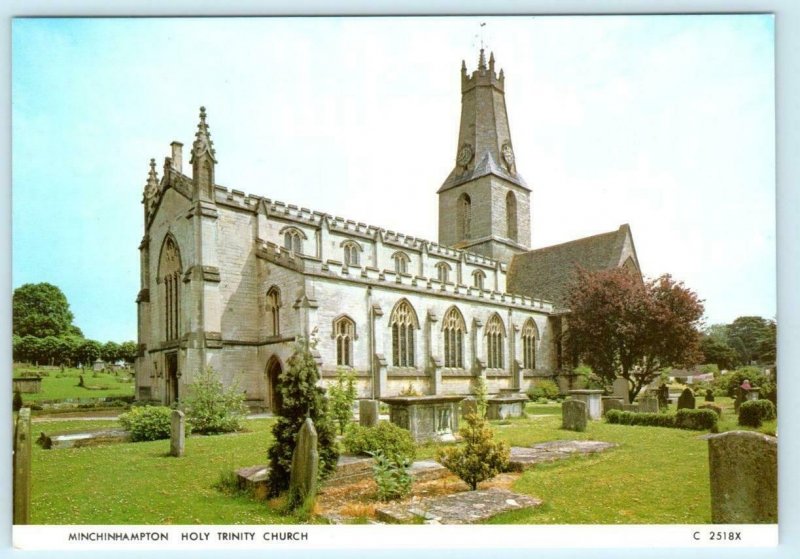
573	415
177	433
305	464
743	468
22	467
686	399
368	411
621	390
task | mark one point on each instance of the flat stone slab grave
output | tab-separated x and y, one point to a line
523	457
467	507
89	438
349	469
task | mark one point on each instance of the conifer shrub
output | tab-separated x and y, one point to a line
301	398
147	423
387	439
543	389
341	397
211	407
754	412
697	420
480	457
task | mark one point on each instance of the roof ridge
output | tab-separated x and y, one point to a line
574	241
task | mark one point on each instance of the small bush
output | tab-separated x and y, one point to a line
392	477
341	397
393	442
543	389
16	404
713	407
754	412
697	420
211	407
481	395
647	419
147	423
481	458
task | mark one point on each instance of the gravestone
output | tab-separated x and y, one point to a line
428	418
504	406
686	399
621	386
610	403
177	433
573	415
593	401
743	468
648	404
368	412
663	396
22	467
305	464
709	395
631	407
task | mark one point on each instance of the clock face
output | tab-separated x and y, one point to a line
508	155
464	155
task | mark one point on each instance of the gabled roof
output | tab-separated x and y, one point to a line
546	273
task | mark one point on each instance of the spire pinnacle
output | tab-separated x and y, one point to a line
202	143
482	61
152	177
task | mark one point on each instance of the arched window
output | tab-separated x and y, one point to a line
511	215
170	272
401	261
403	323
453	329
478	278
293	241
529	345
443	272
351	251
463	216
344	332
495	336
273	307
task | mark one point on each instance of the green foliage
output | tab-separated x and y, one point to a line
480	458
211	407
697	420
410	390
391	476
620	417
713	407
147	423
110	352
301	398
754	412
40	310
710	368
731	382
128	351
16	403
481	392
387	439
543	389
753	338
717	351
341	397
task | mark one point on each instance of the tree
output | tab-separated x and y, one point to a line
480	458
716	350
745	335
40	310
88	352
301	398
110	353
623	327
341	397
128	351
211	407
768	344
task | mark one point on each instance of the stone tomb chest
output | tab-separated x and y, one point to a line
593	401
428	418
506	405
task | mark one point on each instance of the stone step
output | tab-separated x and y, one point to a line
523	458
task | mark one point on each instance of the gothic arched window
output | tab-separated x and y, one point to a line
344	330
443	272
529	345
403	323
273	307
170	272
463	217
478	278
351	251
401	261
511	215
495	336
453	329
293	241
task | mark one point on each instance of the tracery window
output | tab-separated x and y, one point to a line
171	272
273	307
293	241
443	272
478	278
529	345
403	323
351	251
401	261
453	329
344	332
495	337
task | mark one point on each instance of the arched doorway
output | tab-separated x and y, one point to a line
273	395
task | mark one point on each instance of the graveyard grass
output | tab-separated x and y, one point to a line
64	386
655	476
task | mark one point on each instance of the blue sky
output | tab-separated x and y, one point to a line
663	122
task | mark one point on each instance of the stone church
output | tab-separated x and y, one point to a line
230	280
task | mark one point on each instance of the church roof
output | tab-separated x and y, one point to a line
547	272
487	166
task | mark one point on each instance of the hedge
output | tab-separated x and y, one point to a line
754	412
699	420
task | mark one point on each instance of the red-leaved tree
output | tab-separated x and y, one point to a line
623	327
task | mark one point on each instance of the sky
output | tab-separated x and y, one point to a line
662	122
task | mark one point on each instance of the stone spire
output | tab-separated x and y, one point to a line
203	161
202	143
150	187
482	61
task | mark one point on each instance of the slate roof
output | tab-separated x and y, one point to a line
546	273
487	166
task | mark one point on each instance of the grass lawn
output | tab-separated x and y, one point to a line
62	386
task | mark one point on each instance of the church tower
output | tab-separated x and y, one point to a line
484	205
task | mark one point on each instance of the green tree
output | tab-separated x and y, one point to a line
480	458
301	398
717	351
40	310
745	335
211	407
128	351
768	344
88	352
110	352
341	397
623	327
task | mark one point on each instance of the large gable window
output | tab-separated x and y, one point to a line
403	323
